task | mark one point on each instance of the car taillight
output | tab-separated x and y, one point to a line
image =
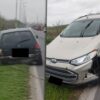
37	46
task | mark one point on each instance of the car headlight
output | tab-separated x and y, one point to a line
84	59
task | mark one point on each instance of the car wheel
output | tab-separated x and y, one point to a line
36	62
96	66
39	62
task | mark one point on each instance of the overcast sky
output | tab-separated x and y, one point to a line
65	11
34	10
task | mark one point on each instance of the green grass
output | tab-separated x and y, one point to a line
53	32
55	92
13	82
49	38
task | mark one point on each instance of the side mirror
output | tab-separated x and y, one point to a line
37	36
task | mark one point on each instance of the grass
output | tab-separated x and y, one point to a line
13	82
63	92
49	38
55	92
53	32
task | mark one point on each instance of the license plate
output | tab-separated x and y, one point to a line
55	80
20	52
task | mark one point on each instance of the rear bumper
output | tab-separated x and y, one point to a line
34	58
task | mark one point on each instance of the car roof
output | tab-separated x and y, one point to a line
89	16
15	29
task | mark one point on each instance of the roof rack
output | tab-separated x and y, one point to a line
88	15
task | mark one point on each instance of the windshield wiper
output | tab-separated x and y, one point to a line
22	41
82	33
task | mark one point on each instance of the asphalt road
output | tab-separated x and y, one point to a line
91	92
36	83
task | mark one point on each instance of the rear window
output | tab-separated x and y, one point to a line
25	35
10	38
21	37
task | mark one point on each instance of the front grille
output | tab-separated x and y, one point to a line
64	74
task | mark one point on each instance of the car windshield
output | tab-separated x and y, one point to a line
82	28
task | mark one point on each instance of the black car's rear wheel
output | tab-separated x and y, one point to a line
37	61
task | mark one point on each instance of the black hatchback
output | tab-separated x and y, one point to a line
20	44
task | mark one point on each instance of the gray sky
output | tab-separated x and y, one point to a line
65	11
34	10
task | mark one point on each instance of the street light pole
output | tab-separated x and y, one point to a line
16	13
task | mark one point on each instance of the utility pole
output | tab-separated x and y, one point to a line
24	14
16	12
20	10
45	20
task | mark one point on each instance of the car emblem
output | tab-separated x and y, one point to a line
53	60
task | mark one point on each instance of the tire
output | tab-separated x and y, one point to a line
39	61
35	62
96	66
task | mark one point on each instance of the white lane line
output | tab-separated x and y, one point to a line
37	84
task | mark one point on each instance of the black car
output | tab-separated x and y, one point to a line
20	44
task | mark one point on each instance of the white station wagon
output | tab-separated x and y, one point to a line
73	57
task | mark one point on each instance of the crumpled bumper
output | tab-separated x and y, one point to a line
71	74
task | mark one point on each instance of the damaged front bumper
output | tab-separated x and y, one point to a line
69	73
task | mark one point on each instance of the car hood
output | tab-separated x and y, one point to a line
70	48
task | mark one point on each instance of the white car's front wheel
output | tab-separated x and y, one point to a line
95	69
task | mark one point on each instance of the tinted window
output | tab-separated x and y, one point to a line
10	38
24	38
25	35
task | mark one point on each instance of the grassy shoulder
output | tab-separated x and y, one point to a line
63	92
55	92
13	82
53	32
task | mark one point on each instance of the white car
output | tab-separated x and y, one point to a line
74	56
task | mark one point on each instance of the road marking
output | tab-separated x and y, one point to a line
36	84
